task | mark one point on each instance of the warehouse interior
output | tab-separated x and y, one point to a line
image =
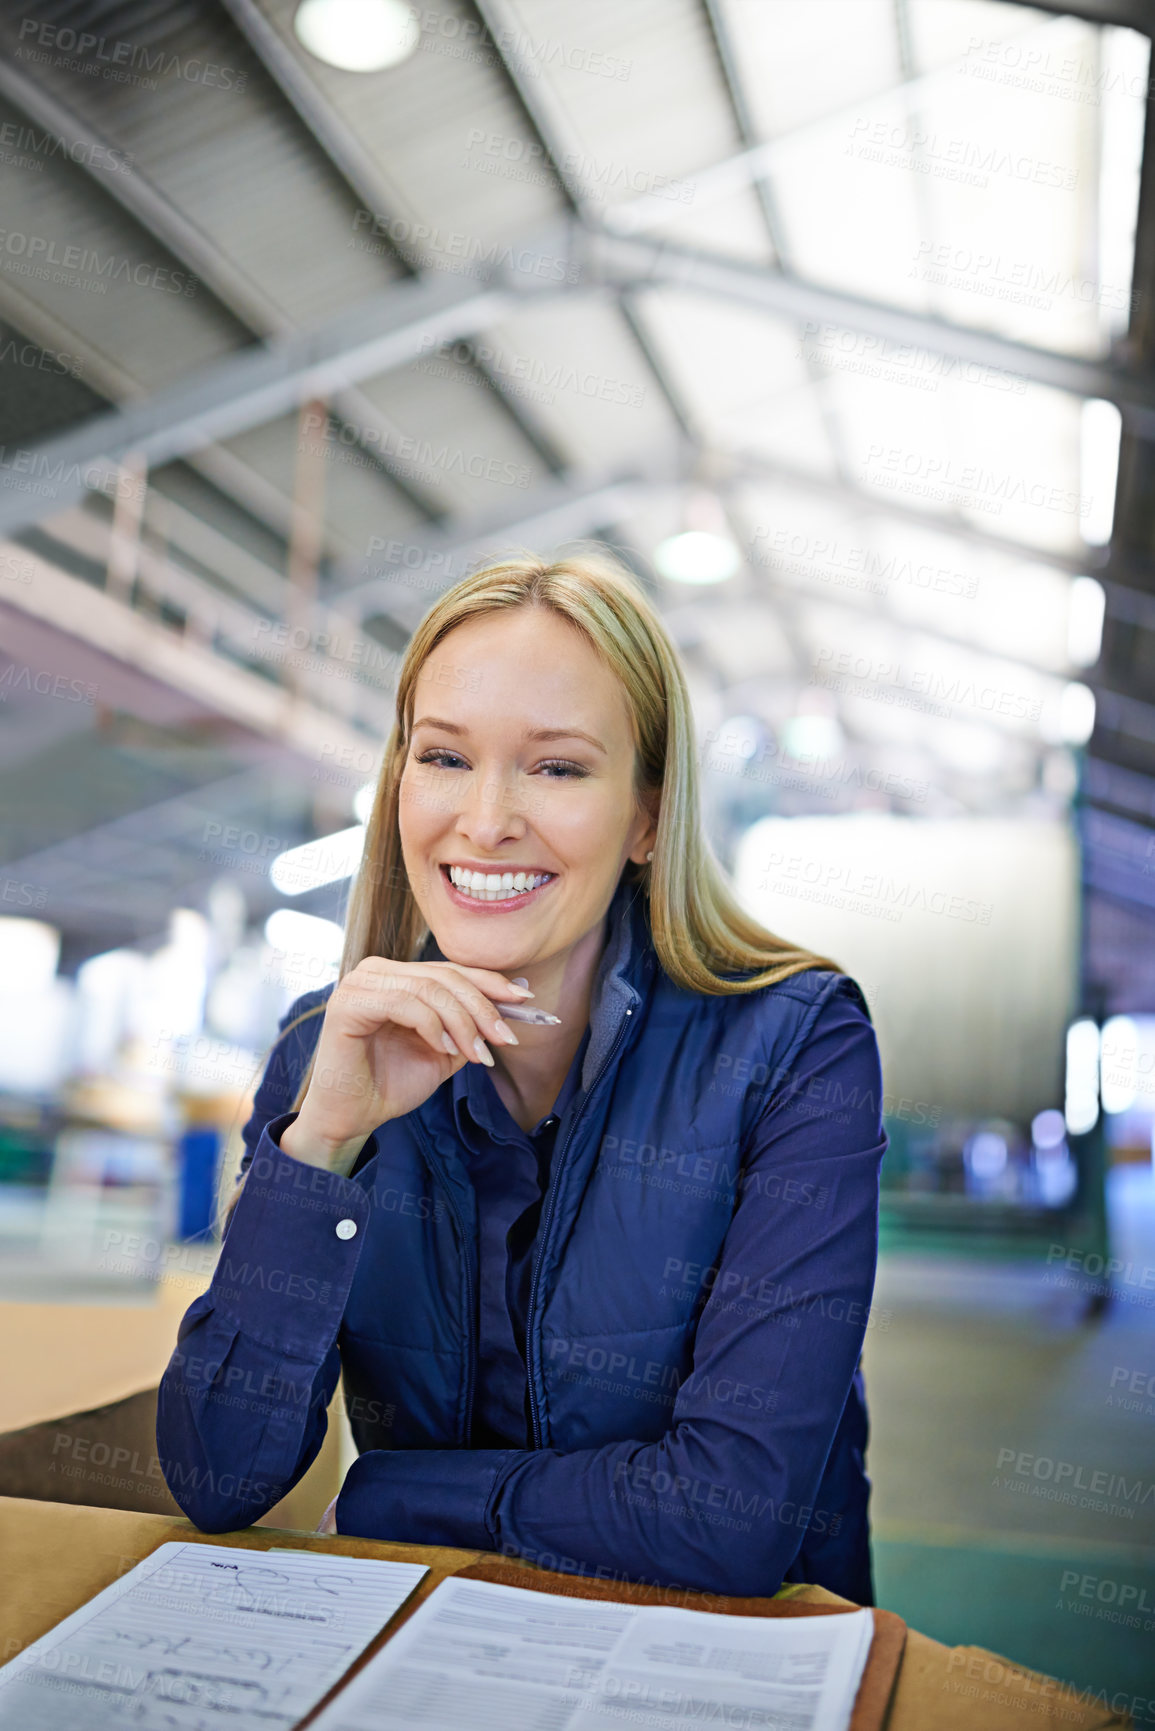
835	322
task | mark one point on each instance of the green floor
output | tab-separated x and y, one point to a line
1011	1603
975	1370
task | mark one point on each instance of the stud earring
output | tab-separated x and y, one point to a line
649	856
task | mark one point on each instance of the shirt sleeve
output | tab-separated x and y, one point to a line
241	1409
721	1502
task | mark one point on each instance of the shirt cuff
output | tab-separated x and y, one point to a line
424	1496
290	1251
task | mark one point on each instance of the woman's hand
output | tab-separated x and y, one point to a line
385	1046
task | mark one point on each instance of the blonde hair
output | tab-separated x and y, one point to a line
700	931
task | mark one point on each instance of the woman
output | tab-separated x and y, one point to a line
597	1286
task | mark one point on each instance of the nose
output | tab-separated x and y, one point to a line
492	811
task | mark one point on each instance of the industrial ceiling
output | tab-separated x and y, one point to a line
284	348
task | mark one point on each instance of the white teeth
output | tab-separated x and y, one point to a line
495	886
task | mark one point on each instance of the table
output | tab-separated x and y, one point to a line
64	1360
57	1555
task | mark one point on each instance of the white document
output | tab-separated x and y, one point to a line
496	1658
200	1637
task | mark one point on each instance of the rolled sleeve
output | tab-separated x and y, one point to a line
424	1496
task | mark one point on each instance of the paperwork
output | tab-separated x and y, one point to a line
200	1636
493	1658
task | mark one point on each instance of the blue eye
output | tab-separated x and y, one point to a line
435	756
569	771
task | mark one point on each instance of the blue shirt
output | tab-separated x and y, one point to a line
509	1168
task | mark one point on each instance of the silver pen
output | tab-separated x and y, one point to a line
519	1013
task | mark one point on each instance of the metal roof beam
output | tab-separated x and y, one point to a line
638	262
355	165
260	383
720	180
542	115
413	572
247	302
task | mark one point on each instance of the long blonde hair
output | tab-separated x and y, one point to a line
700	931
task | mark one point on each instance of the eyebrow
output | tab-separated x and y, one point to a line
534	733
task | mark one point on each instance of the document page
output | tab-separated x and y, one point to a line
204	1636
507	1659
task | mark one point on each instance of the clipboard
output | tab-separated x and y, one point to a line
872	1702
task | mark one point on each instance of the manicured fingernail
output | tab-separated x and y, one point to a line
447	1042
505	1033
484	1054
523	988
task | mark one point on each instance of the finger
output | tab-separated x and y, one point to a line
466	1011
493	984
431	1008
413	1012
451	990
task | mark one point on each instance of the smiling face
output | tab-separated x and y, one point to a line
521	761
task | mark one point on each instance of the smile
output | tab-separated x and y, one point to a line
505	890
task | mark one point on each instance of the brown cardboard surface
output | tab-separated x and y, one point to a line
64	1358
106	1457
58	1555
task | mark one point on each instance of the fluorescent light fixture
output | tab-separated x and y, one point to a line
304	935
1119	1082
315	863
1099	432
697	556
1123	69
1076	713
363	801
1082	1102
358	35
29	952
1085	614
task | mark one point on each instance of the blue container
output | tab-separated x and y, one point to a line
199	1153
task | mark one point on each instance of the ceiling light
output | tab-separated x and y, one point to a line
304	935
1085	614
29	952
1082	1105
358	35
1076	713
1118	1076
697	556
1099	432
363	801
325	861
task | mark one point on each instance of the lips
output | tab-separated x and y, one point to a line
506	904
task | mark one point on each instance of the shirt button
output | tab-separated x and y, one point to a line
346	1228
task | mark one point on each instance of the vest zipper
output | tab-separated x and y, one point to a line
466	1429
546	1222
